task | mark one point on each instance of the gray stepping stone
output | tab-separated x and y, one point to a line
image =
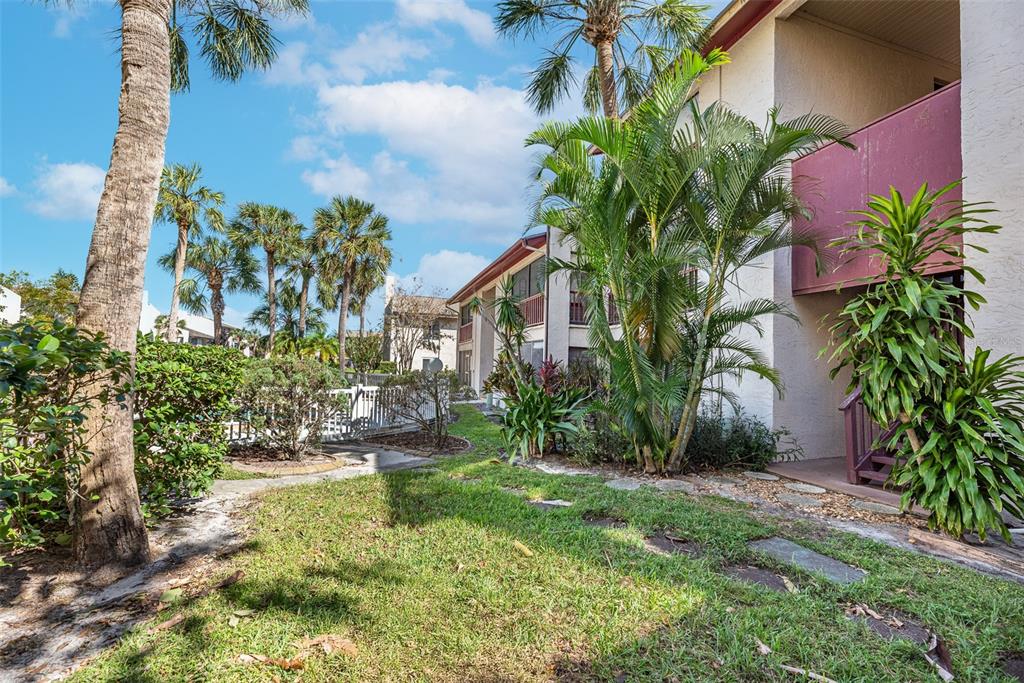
789	552
674	485
798	500
625	484
758	575
550	504
605	522
877	508
763	476
666	544
1013	665
805	488
893	625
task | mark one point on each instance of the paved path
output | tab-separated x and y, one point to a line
80	622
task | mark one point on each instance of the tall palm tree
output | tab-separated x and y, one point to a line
235	36
288	314
278	234
633	41
180	202
220	267
706	196
347	230
303	267
371	272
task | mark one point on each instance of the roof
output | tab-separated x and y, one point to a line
517	252
736	20
415	303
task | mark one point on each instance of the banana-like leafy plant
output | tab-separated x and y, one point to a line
958	439
534	418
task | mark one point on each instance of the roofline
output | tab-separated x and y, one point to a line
519	250
736	20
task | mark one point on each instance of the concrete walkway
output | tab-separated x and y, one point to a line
46	638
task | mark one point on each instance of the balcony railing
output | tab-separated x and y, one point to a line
533	309
466	332
917	143
577	309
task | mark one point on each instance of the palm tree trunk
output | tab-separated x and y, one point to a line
179	272
346	296
271	301
108	523
362	320
606	74
217	307
303	298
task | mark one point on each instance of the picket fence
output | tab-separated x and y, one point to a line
369	411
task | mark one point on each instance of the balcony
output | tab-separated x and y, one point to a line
533	309
917	143
466	332
577	309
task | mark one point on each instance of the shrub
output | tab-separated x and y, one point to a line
737	441
48	373
183	397
386	367
584	373
601	438
534	418
502	380
425	398
366	353
288	400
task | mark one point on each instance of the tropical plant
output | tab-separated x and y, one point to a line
633	42
180	202
50	373
183	398
366	352
279	235
957	421
505	316
234	36
54	298
289	316
680	200
534	418
303	268
288	400
347	231
219	267
370	273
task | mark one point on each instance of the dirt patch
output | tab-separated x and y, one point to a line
670	544
422	443
1012	664
260	460
758	575
889	624
605	522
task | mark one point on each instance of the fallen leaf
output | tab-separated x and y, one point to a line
730	610
523	548
244	612
329	643
808	674
170	623
790	586
233	621
762	648
233	579
293	663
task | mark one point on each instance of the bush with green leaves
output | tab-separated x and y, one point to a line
386	367
424	398
601	438
959	422
183	397
49	376
737	440
366	352
534	419
287	401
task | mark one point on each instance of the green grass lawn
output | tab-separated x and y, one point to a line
422	573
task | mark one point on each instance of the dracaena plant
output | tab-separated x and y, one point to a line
957	420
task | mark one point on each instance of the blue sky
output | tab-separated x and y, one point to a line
415	105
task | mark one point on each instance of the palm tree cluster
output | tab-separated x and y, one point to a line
678	201
342	262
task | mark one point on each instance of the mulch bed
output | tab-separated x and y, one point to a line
260	459
422	442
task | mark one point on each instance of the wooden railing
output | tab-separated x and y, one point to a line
866	462
613	311
577	309
466	332
533	309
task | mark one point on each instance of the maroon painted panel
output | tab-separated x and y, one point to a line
915	144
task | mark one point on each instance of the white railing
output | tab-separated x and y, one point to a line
369	410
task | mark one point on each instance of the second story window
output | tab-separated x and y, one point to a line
530	280
465	316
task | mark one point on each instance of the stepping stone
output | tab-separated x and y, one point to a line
625	484
805	488
758	575
666	544
669	485
789	552
763	476
514	490
549	504
877	508
728	481
604	522
798	500
1013	665
893	625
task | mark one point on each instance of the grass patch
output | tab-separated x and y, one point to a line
422	573
229	472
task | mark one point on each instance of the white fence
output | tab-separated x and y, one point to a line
369	410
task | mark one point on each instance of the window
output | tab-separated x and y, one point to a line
578	353
533	353
530	280
432	332
464	367
465	315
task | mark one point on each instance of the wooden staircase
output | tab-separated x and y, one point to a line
866	463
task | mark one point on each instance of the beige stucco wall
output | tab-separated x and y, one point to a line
992	141
446	347
826	70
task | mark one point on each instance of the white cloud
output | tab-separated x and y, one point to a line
475	23
377	51
439	75
338	176
291	67
6	188
444	271
65	15
67	191
303	148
